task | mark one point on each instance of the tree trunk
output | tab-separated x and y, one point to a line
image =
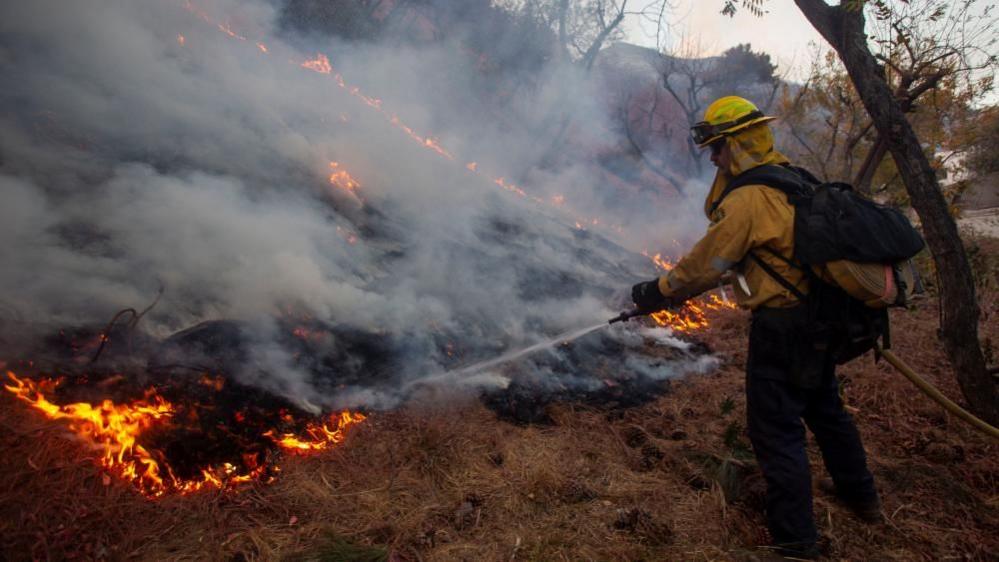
866	173
843	28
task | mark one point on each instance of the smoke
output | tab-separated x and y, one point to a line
182	145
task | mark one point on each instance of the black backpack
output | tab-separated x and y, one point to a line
833	223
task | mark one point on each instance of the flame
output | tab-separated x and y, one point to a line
355	91
189	6
342	179
320	64
109	427
225	28
180	39
305	334
320	436
427	142
509	186
665	264
472	166
215	383
114	430
692	315
262	47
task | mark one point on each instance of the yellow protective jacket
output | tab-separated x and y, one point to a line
749	218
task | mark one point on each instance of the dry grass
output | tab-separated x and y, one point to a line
445	480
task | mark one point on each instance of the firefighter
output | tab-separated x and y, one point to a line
787	381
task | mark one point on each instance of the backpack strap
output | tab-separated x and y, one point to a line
777	276
788	261
793	181
796	183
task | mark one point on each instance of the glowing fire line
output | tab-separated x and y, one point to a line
321	64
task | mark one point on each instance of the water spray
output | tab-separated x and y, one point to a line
563	338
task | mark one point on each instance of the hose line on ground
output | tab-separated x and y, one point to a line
931	391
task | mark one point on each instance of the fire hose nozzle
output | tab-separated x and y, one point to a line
628	315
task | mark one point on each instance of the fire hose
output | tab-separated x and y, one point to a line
920	383
931	391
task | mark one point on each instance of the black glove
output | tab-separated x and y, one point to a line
646	296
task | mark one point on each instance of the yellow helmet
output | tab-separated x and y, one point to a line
725	116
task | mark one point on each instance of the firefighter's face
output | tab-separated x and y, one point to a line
720	155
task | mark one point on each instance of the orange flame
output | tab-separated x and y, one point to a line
509	186
342	179
665	264
197	11
262	47
320	64
355	91
110	427
225	28
180	39
114	429
692	315
320	436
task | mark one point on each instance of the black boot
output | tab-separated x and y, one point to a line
868	511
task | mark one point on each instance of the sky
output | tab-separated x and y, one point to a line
783	32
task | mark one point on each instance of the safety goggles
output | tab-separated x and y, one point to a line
704	131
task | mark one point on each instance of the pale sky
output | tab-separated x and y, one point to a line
783	32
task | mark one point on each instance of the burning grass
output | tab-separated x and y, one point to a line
670	479
163	446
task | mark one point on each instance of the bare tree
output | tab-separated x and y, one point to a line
686	76
643	118
826	120
583	27
693	79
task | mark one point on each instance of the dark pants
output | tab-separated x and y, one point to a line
787	381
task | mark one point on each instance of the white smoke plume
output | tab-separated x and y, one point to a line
164	143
